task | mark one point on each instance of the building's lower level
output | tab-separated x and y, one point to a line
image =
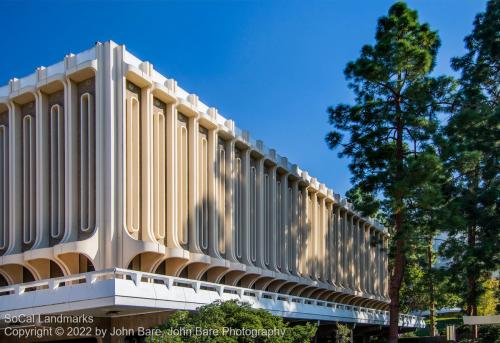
136	301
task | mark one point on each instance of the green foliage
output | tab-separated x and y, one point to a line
470	146
396	102
343	334
389	130
487	334
410	334
441	324
235	315
489	300
365	202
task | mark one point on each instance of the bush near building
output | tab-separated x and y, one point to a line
211	322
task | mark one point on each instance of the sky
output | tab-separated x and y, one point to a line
271	66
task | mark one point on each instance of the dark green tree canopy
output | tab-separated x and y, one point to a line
389	130
471	146
235	315
395	99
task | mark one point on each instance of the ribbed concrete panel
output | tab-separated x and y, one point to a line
28	144
55	124
159	171
183	189
85	150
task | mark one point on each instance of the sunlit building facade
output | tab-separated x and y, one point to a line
105	163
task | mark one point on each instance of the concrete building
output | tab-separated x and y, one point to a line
106	166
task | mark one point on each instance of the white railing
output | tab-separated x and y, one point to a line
222	292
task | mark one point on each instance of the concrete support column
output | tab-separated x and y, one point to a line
359	256
331	243
172	230
305	243
70	155
146	110
230	224
213	235
345	251
354	261
109	78
386	267
382	266
369	266
313	236
350	248
366	250
285	228
323	221
378	261
294	237
261	243
15	235
273	227
373	275
42	172
193	132
245	213
338	248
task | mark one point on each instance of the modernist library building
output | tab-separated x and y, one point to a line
112	175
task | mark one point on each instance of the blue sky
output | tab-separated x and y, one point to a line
272	66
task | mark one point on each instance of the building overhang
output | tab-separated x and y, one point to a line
115	292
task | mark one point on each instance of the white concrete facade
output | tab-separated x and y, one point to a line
105	163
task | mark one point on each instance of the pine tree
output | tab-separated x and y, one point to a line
472	154
426	283
390	126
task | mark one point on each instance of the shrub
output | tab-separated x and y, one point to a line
211	322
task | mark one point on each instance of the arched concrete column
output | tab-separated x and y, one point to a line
382	306
297	289
275	285
232	277
173	265
358	301
43	267
316	294
248	280
286	287
371	303
233	273
324	295
363	302
306	292
144	262
14	272
72	262
263	282
341	298
351	299
215	274
7	276
332	296
195	270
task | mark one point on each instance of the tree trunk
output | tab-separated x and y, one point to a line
399	255
471	282
395	286
432	302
